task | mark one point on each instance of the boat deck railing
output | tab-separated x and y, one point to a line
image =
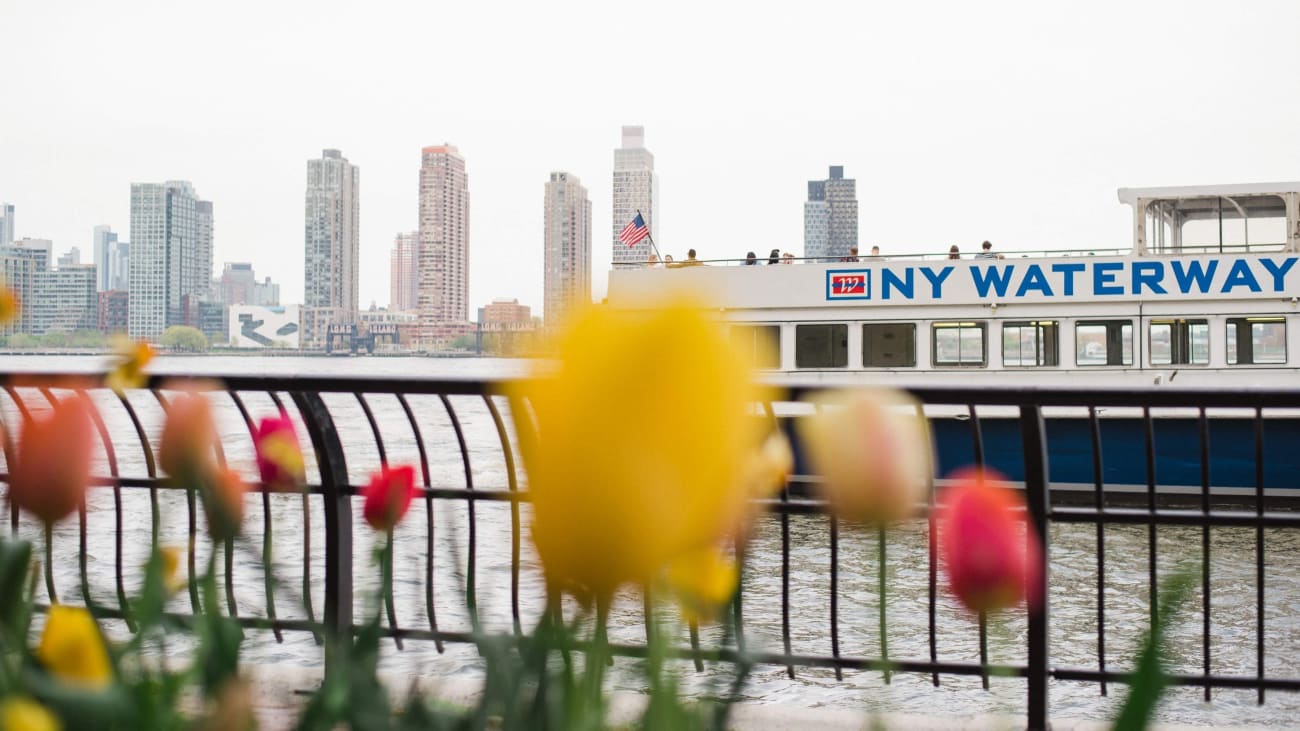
467	536
1006	255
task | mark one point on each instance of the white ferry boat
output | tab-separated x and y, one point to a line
1165	311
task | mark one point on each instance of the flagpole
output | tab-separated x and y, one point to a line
649	236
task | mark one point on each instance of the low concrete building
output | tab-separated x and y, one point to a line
113	315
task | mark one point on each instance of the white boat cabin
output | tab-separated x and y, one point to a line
1179	306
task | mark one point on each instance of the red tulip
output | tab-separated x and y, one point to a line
279	458
991	563
187	436
52	469
388	496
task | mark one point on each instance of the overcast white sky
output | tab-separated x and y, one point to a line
1011	121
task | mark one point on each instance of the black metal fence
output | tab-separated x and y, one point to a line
449	428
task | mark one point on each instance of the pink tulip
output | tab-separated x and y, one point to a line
279	458
52	469
388	496
992	562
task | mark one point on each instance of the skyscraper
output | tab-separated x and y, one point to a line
171	265
6	224
333	236
636	188
21	262
830	216
403	272
443	295
567	247
110	260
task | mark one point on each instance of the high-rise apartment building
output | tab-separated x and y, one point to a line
6	224
636	188
238	285
66	300
111	258
171	262
20	264
333	237
830	216
443	295
404	272
567	247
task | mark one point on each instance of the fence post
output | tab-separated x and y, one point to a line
1034	445
338	521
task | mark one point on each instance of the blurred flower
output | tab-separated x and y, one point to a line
25	714
872	450
702	581
52	467
279	458
388	496
223	491
232	708
628	473
72	648
992	562
171	569
9	307
130	358
188	435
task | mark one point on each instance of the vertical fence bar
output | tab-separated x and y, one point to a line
1203	426
1098	476
338	521
1259	552
1034	445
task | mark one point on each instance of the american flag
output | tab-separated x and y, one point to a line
634	231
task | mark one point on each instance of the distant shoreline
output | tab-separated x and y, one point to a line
241	352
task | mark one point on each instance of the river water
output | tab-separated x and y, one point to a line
1073	569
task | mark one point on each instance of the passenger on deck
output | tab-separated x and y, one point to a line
653	261
954	252
751	259
787	258
774	257
853	254
875	252
669	263
987	251
691	261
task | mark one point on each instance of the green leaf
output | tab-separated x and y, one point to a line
1149	681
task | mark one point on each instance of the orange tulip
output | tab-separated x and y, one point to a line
223	502
992	563
52	469
187	438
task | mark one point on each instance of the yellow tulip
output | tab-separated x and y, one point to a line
635	447
702	581
131	357
25	714
72	648
9	305
872	450
173	581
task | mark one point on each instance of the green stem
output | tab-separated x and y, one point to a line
880	581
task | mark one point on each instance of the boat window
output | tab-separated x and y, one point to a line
1256	340
1179	342
960	344
761	342
1033	343
821	346
1103	342
889	345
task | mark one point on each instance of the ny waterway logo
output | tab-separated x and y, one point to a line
1068	280
848	284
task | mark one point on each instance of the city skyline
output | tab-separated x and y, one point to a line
1033	121
567	242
